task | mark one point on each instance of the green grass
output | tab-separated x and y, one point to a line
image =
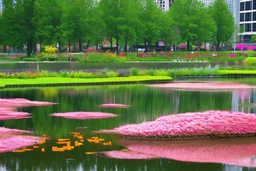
64	80
237	72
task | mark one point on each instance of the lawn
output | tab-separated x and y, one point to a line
64	80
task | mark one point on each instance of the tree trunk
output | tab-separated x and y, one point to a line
29	47
88	43
126	43
69	46
117	46
59	44
188	45
4	49
80	45
111	43
97	45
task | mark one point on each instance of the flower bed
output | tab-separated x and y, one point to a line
11	140
208	124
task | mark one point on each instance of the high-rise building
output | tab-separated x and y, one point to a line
233	6
1	6
247	19
164	4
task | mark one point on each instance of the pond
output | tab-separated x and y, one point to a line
146	104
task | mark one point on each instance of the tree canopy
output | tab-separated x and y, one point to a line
25	23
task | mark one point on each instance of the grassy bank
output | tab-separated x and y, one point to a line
63	81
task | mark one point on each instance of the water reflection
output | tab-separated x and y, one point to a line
146	104
228	151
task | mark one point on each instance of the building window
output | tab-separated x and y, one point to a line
254	27
254	16
254	4
247	27
242	6
248	16
241	16
248	5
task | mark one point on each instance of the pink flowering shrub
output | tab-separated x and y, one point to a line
232	55
84	115
251	47
241	47
182	46
193	125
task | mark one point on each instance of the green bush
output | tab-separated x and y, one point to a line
250	61
150	72
112	74
134	71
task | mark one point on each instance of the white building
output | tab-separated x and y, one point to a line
247	19
164	4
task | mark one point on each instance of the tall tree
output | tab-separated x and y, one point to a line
224	21
151	19
190	20
47	20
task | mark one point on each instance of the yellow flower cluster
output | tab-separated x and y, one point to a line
50	49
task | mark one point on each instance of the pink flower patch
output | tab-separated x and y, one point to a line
204	86
129	155
195	125
13	103
11	140
84	115
114	105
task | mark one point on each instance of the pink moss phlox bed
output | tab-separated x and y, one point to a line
84	115
114	105
204	86
239	151
210	124
11	139
9	113
18	102
129	155
15	142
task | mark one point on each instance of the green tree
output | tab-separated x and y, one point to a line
191	21
224	21
151	19
47	20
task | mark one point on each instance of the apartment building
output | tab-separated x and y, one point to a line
164	4
247	19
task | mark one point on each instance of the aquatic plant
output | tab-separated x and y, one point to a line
84	115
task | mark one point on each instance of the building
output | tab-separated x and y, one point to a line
1	6
164	4
247	20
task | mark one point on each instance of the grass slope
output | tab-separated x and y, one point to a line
65	80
